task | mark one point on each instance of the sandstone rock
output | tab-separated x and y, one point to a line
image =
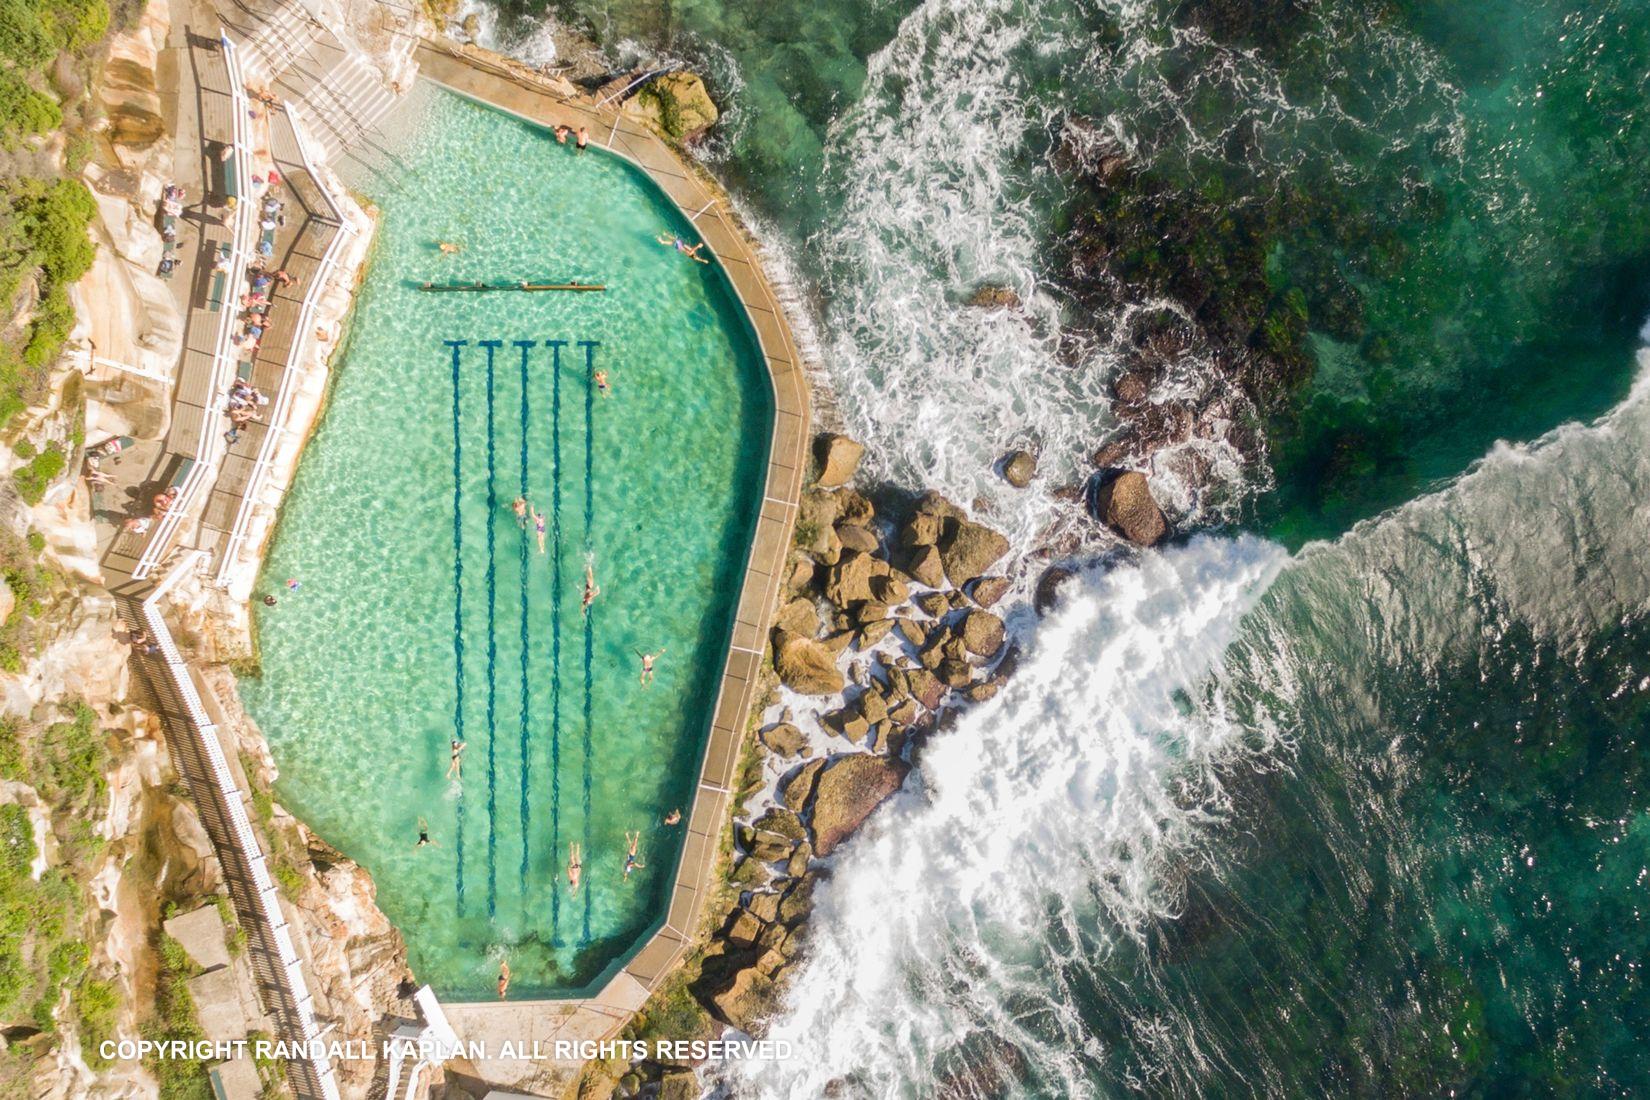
1124	503
677	1084
933	504
982	633
785	740
847	792
923	529
800	856
798	901
744	1000
854	508
934	603
872	633
889	589
742	928
903	714
836	644
817	509
821	542
926	567
968	549
765	906
1019	467
838	460
856	538
871	612
798	617
926	688
677	103
802	578
800	787
914	632
979	693
988	590
850	579
954	673
782	821
849	723
806	666
873	706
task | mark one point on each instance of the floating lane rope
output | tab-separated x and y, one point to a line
589	347
526	760
458	615
555	347
492	644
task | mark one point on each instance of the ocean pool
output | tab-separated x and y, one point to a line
423	607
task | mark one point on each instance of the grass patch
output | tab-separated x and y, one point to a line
35	476
97	1008
175	1018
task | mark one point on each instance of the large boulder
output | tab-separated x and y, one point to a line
850	579
988	590
1124	503
926	568
799	788
968	549
1019	467
846	793
855	538
992	296
677	103
805	665
798	617
982	633
785	739
817	509
923	529
838	460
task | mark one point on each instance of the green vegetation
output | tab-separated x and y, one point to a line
32	585
96	1006
175	1019
43	217
34	476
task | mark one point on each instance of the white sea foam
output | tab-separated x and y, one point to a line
938	916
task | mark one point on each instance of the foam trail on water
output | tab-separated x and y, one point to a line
1036	814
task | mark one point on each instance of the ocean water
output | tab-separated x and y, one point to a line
1345	795
425	611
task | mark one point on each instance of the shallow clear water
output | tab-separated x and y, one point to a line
365	665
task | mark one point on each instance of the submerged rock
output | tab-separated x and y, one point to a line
838	460
847	792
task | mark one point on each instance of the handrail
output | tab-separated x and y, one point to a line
268	912
300	343
222	365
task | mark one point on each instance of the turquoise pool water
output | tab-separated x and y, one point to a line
424	607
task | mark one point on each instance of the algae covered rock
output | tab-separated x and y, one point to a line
678	104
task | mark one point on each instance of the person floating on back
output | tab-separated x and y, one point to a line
455	765
647	665
424	835
448	248
601	384
538	526
574	868
670	240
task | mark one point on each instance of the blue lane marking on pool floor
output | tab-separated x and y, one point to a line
492	642
458	616
555	347
526	760
589	347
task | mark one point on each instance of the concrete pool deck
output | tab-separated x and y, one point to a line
491	80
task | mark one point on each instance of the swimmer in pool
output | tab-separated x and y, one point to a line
631	863
574	868
424	835
647	665
601	384
455	765
503	978
519	507
448	248
673	817
538	525
591	589
670	240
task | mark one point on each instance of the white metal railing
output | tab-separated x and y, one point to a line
223	359
300	344
81	355
268	913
